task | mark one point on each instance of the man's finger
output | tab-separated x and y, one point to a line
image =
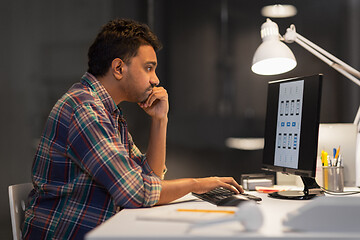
156	94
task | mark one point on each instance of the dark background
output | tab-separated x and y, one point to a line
204	65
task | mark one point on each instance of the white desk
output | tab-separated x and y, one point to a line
127	225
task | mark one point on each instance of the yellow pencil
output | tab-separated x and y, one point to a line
325	172
206	211
337	153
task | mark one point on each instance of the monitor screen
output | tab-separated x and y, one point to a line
292	124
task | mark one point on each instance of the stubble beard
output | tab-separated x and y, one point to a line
147	93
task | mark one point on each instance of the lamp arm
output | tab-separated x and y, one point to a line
357	120
342	64
326	57
292	36
343	68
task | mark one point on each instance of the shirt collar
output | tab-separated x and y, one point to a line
91	81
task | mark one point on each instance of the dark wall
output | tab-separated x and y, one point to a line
204	65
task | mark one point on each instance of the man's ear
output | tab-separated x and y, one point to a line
117	67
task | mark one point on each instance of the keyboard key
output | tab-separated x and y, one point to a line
225	197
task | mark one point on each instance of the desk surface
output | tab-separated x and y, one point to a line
129	223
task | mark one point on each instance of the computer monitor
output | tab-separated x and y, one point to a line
291	132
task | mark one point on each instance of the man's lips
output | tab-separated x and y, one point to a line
149	90
148	93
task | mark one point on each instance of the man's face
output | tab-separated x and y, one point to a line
139	75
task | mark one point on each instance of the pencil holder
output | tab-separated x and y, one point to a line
333	178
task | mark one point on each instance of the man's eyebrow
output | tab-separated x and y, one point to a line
152	63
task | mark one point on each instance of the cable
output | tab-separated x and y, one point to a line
341	193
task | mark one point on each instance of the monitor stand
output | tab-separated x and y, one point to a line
311	189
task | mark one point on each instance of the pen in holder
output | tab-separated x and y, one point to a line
333	177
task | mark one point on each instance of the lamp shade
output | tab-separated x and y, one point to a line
279	11
272	56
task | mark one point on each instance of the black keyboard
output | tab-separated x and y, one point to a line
225	197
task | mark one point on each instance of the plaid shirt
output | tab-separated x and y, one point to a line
86	167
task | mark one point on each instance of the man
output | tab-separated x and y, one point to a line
87	167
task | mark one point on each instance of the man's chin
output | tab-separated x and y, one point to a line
143	100
147	95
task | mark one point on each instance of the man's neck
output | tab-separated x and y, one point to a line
111	86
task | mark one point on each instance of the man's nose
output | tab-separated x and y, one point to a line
154	81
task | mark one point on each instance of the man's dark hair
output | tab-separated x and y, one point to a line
120	38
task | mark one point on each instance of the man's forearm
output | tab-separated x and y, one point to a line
174	189
156	153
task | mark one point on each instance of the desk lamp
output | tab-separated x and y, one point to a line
274	57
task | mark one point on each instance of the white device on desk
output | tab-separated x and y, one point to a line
326	214
248	214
